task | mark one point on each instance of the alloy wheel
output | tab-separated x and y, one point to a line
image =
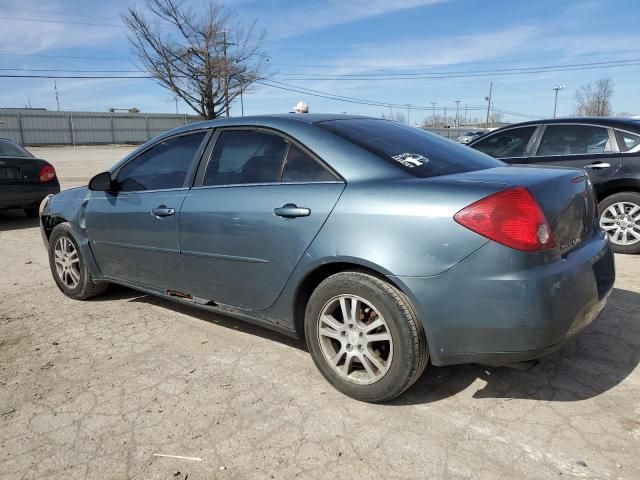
621	221
355	339
67	262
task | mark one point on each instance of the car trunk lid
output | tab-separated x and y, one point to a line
17	170
565	196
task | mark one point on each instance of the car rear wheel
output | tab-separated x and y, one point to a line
620	218
69	268
364	336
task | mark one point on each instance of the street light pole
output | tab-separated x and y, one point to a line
488	99
433	115
557	88
457	113
226	72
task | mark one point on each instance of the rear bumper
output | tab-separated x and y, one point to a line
500	306
26	195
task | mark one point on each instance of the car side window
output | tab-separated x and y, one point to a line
627	141
510	143
246	156
300	167
163	166
573	140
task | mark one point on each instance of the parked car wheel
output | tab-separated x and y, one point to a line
68	267
364	336
620	218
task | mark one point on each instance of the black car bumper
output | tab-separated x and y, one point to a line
26	195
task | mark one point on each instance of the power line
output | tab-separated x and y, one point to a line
69	22
51	12
64	56
493	70
411	76
72	77
470	74
271	84
61	70
479	62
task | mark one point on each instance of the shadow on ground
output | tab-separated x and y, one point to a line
16	220
117	292
596	360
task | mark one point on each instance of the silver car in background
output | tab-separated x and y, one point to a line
469	137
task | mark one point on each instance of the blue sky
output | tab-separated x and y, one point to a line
312	44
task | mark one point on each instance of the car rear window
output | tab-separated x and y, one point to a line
411	149
10	149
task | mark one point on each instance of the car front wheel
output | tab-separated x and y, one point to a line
620	218
68	266
364	336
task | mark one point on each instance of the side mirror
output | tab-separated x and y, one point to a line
102	182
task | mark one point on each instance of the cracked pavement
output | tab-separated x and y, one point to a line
95	389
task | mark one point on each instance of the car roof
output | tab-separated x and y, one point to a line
614	122
309	118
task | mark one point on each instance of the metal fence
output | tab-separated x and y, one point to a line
43	127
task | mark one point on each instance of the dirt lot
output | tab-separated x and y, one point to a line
96	389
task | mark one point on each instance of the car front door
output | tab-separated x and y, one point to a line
134	230
254	210
591	147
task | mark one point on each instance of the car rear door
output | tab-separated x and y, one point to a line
133	231
257	204
591	147
510	145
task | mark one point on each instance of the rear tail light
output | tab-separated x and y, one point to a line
47	173
511	217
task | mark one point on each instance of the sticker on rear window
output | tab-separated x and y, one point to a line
410	159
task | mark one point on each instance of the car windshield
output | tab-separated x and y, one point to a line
411	149
10	149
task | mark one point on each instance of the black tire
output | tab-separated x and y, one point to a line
630	198
86	288
32	212
410	352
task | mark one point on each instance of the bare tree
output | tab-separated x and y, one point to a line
595	100
207	58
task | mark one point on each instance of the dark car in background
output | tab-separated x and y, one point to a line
24	179
351	232
607	148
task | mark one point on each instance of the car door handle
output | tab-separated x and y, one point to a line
163	211
291	210
597	165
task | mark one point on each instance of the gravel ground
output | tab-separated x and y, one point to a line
99	389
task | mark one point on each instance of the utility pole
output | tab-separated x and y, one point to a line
176	100
55	88
433	114
465	113
457	113
488	99
226	73
408	114
445	117
557	88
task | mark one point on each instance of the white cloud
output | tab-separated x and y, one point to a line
302	18
31	36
